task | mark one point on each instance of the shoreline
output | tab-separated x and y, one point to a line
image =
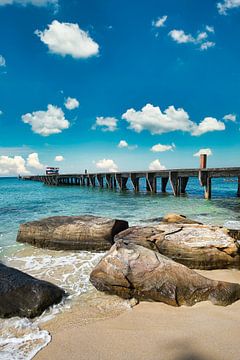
151	330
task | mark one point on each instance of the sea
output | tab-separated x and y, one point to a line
22	201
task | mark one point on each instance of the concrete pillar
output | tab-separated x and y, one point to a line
175	183
184	181
135	182
151	182
164	183
208	188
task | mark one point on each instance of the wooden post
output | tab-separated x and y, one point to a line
203	161
174	181
184	181
208	188
164	183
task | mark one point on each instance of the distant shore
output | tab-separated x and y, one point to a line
152	331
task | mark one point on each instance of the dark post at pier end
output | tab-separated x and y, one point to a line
203	161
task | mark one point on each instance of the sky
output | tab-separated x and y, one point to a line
118	85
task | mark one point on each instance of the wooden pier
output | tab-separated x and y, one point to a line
178	179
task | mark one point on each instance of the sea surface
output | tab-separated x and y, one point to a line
22	201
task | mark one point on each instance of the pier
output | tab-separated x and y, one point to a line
178	179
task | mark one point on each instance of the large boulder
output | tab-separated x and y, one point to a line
87	232
129	270
196	246
24	296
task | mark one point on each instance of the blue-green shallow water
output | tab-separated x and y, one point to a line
22	201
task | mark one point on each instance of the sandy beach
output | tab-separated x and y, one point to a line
152	331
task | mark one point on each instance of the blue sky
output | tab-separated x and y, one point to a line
67	67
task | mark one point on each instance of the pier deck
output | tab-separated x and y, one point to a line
178	179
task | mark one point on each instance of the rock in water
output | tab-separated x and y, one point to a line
87	232
24	296
196	246
129	270
178	219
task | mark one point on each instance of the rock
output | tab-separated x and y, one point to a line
233	228
24	296
178	219
71	232
196	246
129	270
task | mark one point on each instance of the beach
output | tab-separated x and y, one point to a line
153	331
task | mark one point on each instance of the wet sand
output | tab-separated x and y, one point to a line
150	331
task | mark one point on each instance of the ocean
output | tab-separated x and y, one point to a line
22	201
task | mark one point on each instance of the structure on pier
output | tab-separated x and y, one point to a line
178	178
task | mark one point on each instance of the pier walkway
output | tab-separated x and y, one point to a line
178	179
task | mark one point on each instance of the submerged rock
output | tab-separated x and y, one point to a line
129	270
90	233
24	296
193	245
178	219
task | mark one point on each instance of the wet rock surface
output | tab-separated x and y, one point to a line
90	233
25	296
196	246
129	270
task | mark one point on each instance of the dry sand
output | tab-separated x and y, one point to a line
151	331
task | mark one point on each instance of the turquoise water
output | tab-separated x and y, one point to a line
22	201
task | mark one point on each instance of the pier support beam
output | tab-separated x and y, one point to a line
164	184
174	181
151	183
206	181
238	190
184	181
122	182
135	182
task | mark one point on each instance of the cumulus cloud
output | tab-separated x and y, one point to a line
230	117
68	39
156	165
59	158
106	123
71	103
207	125
160	22
226	5
162	148
107	165
200	39
123	144
48	122
2	61
151	118
33	161
12	166
207	152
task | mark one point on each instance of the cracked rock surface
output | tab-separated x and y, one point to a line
194	245
90	233
129	270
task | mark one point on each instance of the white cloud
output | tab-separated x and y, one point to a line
59	158
2	61
210	29
71	103
123	144
160	22
162	148
207	151
226	5
206	45
12	166
151	118
156	165
180	37
200	39
207	125
107	164
230	117
31	2
68	39
33	161
107	123
48	122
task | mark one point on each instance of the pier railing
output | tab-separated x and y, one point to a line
178	179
